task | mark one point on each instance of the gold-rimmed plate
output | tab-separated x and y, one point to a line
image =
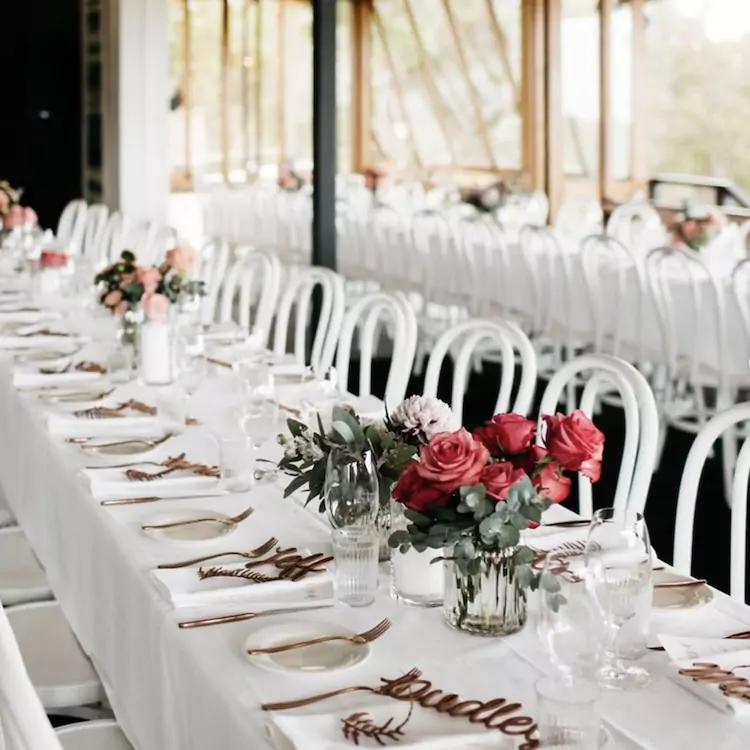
136	446
679	597
207	531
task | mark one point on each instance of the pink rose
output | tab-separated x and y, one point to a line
452	460
506	433
499	477
122	308
113	298
181	258
155	306
149	277
29	216
127	278
4	203
14	218
549	480
416	493
575	443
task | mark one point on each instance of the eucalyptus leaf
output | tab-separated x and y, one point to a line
550	583
397	538
523	556
416	518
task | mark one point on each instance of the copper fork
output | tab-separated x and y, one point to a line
267	546
230	521
360	640
412	674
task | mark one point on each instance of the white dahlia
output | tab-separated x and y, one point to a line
423	417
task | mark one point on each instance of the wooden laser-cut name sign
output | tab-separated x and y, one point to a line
732	685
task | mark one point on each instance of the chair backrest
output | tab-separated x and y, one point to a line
23	722
669	269
96	221
212	266
742	236
741	293
579	217
467	336
641	425
616	289
72	225
257	278
136	240
366	314
112	236
686	499
160	239
637	225
299	294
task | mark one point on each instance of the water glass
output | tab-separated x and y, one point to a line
571	626
355	550
235	462
619	575
568	715
259	421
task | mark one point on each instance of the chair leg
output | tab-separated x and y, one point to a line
728	460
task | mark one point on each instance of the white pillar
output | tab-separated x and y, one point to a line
136	108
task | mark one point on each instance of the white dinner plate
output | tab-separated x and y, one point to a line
83	394
46	356
679	597
323	657
135	447
194	532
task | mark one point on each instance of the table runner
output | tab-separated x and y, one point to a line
193	690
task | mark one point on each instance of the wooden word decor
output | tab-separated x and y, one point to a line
493	714
360	725
732	685
292	567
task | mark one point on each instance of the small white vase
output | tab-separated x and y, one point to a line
156	353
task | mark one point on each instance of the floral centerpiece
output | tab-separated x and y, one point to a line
375	178
488	199
471	496
12	214
289	178
695	229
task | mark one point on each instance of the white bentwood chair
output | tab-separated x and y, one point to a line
96	221
299	295
111	241
252	283
213	260
72	225
641	425
637	225
686	500
23	722
367	314
466	338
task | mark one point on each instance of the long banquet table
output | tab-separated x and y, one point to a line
175	689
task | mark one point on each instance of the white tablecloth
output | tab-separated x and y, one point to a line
178	689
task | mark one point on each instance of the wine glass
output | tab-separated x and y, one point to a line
571	626
191	372
351	489
259	422
619	576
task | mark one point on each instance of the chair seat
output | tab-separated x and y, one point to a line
93	735
59	670
22	578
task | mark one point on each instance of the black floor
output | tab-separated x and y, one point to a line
711	551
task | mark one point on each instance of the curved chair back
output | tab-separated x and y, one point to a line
298	294
637	225
366	314
466	338
741	293
72	225
112	236
96	221
212	266
686	499
253	281
23	722
160	240
136	239
641	425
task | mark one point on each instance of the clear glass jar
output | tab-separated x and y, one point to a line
351	489
415	579
489	603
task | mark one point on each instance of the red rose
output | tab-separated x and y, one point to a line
452	460
507	433
549	481
499	477
417	494
575	443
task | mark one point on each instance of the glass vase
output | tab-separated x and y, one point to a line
351	489
488	603
128	338
155	352
415	579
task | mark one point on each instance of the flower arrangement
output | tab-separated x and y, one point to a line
125	284
695	229
12	214
375	178
289	178
475	493
53	259
488	199
394	442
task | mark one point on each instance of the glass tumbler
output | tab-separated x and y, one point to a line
568	715
355	550
236	463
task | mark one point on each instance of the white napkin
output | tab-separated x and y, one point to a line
114	483
32	378
726	654
16	314
426	729
38	342
183	588
69	425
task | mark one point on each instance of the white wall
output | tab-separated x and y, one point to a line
136	108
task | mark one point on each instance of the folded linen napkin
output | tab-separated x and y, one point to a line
183	588
425	730
108	483
18	314
39	342
32	378
68	425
